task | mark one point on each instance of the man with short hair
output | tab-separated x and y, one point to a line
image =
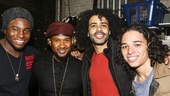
15	57
57	73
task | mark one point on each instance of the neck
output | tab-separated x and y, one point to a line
60	59
99	48
144	71
8	48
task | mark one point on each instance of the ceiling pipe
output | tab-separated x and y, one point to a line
94	4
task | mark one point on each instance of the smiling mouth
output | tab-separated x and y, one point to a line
19	41
62	51
99	35
132	59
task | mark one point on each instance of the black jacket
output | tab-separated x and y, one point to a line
119	75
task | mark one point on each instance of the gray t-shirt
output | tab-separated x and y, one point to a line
142	88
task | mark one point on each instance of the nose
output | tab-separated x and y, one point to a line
62	44
20	34
99	28
131	50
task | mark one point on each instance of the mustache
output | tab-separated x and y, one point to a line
98	33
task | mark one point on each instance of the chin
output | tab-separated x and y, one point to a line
62	56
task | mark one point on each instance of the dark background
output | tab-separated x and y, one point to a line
43	12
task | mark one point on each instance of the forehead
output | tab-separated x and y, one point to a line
61	36
132	36
95	18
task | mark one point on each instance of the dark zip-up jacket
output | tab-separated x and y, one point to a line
119	75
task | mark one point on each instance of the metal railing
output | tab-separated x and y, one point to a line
116	5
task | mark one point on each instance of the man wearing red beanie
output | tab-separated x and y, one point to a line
57	73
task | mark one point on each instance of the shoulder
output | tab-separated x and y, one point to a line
75	60
42	60
31	50
44	57
161	70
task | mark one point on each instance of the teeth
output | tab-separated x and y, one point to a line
19	41
132	59
99	36
62	51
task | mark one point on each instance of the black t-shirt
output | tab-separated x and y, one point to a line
43	76
8	85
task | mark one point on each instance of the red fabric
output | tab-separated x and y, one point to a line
101	80
56	28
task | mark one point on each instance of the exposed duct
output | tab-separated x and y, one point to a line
116	5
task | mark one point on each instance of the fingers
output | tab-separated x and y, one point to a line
77	54
167	61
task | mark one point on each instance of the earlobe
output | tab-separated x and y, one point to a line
73	41
49	41
87	34
5	31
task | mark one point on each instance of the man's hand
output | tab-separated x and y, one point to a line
77	54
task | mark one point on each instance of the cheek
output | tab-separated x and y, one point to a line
69	45
145	53
28	35
10	33
54	45
124	52
142	51
91	31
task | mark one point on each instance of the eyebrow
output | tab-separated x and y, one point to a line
14	26
137	41
100	23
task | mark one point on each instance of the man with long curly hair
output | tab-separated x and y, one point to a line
142	53
96	31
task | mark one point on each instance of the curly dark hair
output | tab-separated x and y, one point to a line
115	24
156	50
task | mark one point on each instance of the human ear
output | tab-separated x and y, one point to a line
109	32
5	31
88	34
49	41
